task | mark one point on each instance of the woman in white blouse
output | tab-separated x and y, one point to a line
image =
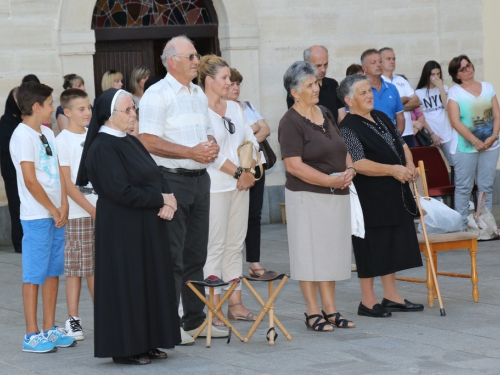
229	194
261	131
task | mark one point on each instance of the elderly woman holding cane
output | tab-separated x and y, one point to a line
135	305
318	174
385	166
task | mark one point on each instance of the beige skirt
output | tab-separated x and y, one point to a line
319	236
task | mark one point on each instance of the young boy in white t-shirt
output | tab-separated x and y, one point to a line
44	213
79	252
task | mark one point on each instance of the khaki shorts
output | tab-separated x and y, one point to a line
79	251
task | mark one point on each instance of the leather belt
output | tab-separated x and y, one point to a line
185	172
86	190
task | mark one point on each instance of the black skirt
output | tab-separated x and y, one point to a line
386	250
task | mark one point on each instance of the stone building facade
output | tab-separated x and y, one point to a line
261	39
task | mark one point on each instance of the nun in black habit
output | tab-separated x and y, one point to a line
135	308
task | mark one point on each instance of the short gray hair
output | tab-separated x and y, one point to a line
346	87
368	52
307	53
122	94
385	49
296	74
170	50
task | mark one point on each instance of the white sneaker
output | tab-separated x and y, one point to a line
186	339
472	207
216	332
74	328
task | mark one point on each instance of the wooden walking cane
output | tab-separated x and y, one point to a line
431	260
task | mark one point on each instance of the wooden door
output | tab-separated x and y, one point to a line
122	56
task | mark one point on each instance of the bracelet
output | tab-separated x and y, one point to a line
334	174
354	169
496	135
474	143
238	173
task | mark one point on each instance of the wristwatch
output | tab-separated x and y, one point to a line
238	173
496	135
251	170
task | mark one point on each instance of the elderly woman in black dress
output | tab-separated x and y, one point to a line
135	305
384	167
318	174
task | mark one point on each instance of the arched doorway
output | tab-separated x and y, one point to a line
133	32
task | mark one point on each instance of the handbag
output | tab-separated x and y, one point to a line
424	137
245	153
265	147
269	154
482	221
439	218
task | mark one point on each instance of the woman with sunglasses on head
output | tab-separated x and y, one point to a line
475	117
229	196
433	95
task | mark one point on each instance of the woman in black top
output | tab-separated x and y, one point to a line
385	166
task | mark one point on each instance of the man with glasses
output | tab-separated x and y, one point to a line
176	131
318	56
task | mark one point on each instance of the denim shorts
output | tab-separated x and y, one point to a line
43	250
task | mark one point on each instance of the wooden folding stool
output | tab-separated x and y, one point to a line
213	282
267	307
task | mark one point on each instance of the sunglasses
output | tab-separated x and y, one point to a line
48	150
128	110
231	129
466	67
191	56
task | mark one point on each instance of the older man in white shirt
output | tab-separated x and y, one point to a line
408	97
175	129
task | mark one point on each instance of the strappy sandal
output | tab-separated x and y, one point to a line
141	359
156	354
250	317
252	272
339	321
316	326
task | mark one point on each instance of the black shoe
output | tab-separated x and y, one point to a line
377	311
407	306
156	354
132	360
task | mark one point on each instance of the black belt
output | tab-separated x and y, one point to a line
185	172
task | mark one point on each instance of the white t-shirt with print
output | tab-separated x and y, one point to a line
70	148
404	89
435	112
25	145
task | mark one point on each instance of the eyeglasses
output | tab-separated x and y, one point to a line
231	129
191	56
48	150
466	67
127	111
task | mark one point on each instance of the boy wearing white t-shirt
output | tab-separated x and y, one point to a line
79	251
44	213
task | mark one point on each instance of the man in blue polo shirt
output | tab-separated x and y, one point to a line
385	95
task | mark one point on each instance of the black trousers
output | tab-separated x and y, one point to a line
188	238
252	241
14	209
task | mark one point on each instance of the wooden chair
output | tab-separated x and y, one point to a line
211	283
436	173
444	242
267	306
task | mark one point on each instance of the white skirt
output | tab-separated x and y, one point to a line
319	236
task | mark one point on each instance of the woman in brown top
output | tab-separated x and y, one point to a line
318	174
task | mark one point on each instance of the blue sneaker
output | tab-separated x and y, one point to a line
57	336
38	343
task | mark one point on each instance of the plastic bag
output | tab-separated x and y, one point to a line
482	221
439	218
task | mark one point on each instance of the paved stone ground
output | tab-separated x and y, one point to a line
465	341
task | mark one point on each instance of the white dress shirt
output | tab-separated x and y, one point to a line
178	114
